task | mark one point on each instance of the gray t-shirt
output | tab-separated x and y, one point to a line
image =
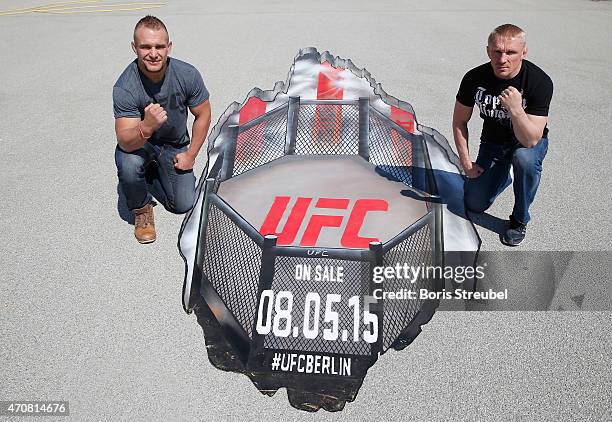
181	88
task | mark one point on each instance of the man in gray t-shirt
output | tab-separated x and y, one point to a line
150	101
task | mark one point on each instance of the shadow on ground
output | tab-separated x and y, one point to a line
489	222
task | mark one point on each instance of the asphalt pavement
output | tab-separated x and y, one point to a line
90	316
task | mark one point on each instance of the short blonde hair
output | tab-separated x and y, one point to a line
507	30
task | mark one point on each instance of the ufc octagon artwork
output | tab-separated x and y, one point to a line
320	199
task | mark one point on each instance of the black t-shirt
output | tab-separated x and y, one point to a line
481	87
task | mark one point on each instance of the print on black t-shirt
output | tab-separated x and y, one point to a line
490	105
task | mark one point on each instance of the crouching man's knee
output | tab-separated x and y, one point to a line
476	202
529	160
180	208
183	202
476	206
130	166
525	160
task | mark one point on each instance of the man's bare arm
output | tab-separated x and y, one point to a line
132	133
527	128
461	117
200	126
199	130
129	137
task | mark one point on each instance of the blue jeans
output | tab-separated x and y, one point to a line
495	160
175	189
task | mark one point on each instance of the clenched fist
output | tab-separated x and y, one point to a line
511	99
184	161
154	116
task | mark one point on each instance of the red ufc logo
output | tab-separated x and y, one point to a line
350	237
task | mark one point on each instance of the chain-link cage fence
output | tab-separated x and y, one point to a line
235	262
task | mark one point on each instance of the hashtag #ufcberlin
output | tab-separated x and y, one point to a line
311	364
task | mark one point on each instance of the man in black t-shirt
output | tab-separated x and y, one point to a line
513	96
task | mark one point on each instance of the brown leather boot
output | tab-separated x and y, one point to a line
144	224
